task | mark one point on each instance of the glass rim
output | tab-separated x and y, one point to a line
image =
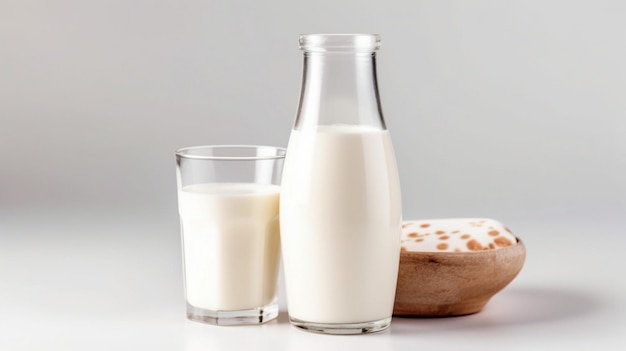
337	42
184	152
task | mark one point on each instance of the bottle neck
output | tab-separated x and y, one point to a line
339	88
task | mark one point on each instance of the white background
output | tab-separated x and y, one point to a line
514	110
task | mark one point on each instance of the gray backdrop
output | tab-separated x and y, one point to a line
514	110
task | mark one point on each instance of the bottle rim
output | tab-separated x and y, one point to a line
346	43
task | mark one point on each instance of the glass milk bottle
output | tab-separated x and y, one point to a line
340	207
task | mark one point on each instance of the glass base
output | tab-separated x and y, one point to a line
342	328
241	317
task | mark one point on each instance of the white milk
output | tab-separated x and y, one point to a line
340	224
231	244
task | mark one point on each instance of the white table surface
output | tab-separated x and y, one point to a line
112	281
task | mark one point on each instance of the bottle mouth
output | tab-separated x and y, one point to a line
347	43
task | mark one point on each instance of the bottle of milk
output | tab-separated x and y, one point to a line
340	206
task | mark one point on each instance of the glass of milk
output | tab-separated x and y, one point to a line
228	206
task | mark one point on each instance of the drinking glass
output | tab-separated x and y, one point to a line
228	199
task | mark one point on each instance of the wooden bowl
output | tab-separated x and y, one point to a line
440	284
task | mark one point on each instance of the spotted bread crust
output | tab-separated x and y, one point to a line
455	235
